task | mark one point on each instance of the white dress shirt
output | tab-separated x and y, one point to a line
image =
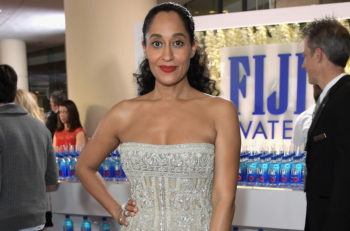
301	127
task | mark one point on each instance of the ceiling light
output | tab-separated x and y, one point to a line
212	12
225	11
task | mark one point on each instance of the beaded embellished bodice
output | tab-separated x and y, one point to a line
171	184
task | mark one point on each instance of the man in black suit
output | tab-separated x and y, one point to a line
327	186
56	98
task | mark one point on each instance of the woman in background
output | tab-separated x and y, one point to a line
69	130
29	103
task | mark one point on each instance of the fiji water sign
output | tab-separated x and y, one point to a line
268	86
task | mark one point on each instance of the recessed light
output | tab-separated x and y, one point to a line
212	12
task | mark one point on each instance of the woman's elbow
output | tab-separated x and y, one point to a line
78	169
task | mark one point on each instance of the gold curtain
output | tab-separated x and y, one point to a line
212	41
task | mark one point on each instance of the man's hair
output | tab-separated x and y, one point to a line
8	84
329	35
58	97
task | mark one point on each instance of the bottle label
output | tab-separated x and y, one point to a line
251	172
262	171
285	173
273	174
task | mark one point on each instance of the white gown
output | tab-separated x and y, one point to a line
172	185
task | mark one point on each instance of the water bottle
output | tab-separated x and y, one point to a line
304	172
66	156
104	226
251	168
242	172
115	164
58	163
273	172
105	169
62	170
262	170
285	170
296	172
68	224
85	225
72	163
120	175
112	172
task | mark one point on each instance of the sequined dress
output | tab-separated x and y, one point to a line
171	184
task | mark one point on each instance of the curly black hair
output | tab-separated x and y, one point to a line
198	74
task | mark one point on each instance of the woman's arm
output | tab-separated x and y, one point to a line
80	139
103	142
227	154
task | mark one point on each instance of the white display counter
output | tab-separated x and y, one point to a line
265	208
73	199
272	208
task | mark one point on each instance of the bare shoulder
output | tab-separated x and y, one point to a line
219	104
127	105
125	108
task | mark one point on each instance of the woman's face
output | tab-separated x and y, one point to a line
63	114
168	48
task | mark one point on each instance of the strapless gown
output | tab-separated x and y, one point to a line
172	185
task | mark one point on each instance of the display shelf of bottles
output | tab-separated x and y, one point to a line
272	167
66	158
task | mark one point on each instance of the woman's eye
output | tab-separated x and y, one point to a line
156	44
178	43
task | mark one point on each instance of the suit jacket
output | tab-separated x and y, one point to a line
51	122
327	183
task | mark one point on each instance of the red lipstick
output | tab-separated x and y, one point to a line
168	69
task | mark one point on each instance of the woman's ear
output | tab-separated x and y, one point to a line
144	49
194	48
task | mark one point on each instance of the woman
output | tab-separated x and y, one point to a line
179	146
27	101
69	130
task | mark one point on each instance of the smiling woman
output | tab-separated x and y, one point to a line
183	39
179	144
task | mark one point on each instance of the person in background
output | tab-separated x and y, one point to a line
327	183
26	100
69	130
56	98
29	102
179	144
27	162
303	122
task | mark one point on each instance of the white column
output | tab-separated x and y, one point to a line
100	54
13	53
